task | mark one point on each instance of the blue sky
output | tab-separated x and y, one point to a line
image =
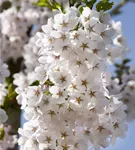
128	21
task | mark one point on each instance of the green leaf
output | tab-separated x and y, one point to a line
11	96
48	82
2	133
52	4
91	3
104	5
85	1
47	93
117	65
6	5
72	2
11	92
42	3
125	61
35	83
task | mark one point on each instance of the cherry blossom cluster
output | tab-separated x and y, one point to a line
28	3
120	48
17	27
30	55
8	140
127	90
4	72
71	108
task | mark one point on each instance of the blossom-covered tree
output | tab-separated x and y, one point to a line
54	67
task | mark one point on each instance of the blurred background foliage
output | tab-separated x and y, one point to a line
10	105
